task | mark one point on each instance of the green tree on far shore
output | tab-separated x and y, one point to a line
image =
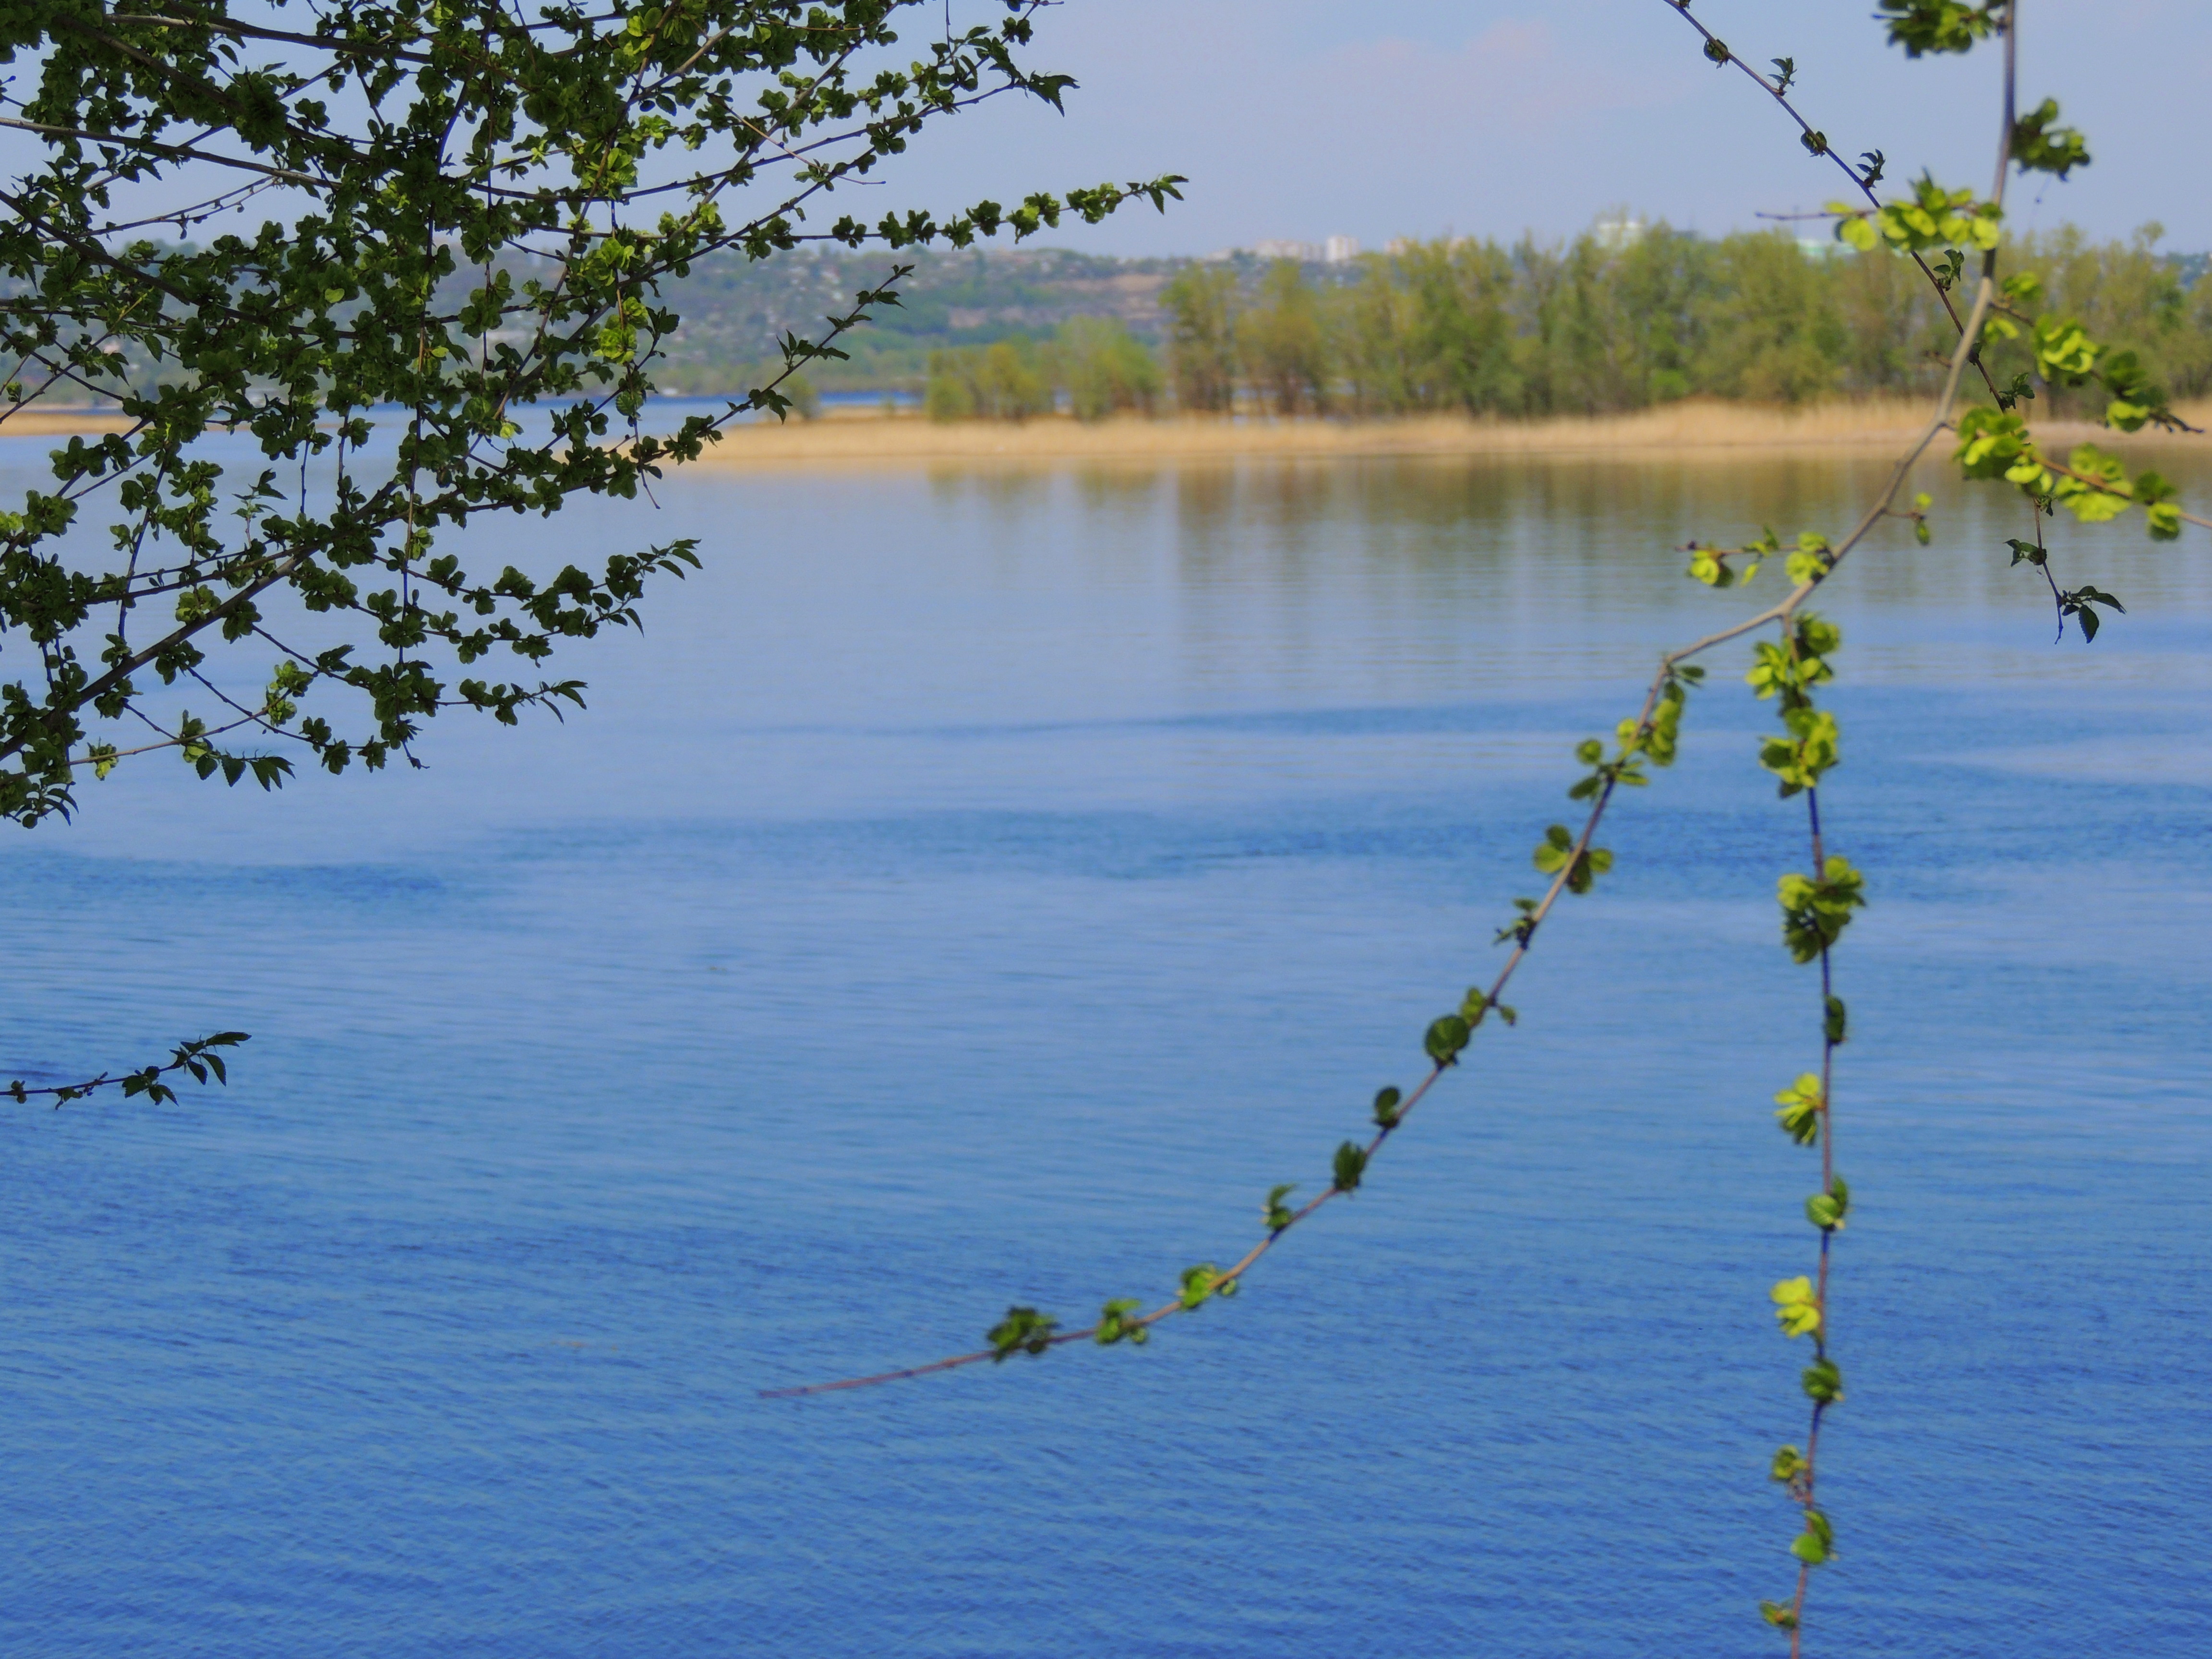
1201	308
1604	323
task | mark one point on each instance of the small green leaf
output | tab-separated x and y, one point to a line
1823	1381
1801	1105
1202	1282
2040	145
1817	1542
1117	1323
1023	1330
1797	1309
1351	1164
1446	1037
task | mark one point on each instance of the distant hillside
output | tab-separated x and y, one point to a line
733	311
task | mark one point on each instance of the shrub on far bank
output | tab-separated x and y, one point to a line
1000	382
1094	368
1105	369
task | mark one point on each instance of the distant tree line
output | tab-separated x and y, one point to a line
1093	365
1599	325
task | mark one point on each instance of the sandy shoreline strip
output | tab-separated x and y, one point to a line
1696	429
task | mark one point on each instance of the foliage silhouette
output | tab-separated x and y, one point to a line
454	309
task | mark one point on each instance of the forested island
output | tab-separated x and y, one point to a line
1619	319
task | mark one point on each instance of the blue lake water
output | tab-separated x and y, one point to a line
979	887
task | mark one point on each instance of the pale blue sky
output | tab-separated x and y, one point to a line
1303	117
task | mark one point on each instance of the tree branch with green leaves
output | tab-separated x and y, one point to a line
1993	442
459	315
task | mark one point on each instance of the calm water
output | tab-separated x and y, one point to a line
978	888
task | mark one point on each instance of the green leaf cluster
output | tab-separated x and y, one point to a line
1921	26
2158	506
1997	444
1796	1309
1350	1164
2079	603
1200	1283
1523	929
2064	352
2091	484
2095	487
1120	1321
1919	514
1710	565
1447	1037
1811	561
1933	217
1791	668
2040	144
1556	852
1815	912
1387	1109
1023	1330
1823	1383
1826	1209
1604	774
2137	400
1799	760
1817	1542
1799	1107
1660	736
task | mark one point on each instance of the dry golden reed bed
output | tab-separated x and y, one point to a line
1718	430
58	423
875	439
1696	427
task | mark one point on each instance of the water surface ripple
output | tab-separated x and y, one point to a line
979	887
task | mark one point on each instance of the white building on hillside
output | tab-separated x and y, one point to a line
1624	230
1330	251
